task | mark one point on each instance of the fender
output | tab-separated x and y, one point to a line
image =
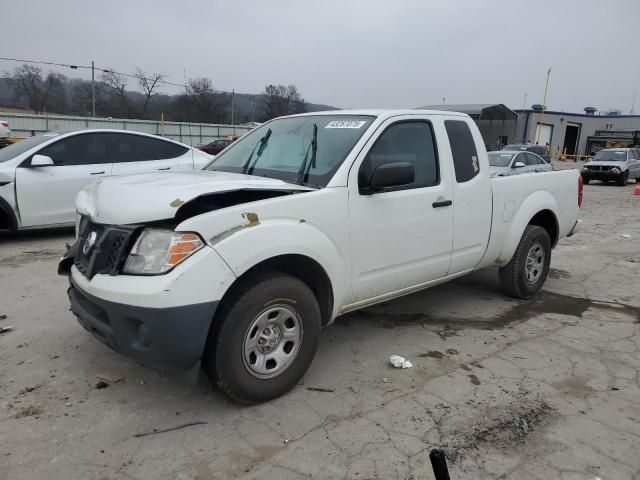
534	203
285	237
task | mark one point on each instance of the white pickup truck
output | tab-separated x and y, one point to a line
302	220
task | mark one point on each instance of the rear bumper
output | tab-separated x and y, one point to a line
166	338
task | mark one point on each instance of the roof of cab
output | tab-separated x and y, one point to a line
382	112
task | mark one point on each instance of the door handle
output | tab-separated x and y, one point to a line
443	203
97	173
166	168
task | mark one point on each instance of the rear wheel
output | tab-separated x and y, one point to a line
527	271
264	339
623	178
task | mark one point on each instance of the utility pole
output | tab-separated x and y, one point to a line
544	105
93	89
633	104
253	104
233	96
524	102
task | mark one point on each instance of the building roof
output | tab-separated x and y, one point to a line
484	111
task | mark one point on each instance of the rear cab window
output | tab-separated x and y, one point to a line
463	149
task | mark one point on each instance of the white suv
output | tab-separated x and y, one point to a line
41	176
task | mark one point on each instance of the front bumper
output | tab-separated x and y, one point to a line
165	338
603	175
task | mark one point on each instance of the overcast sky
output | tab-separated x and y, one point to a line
352	54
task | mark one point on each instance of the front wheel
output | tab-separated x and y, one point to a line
623	178
264	338
586	180
527	271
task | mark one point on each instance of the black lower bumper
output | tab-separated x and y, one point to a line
165	338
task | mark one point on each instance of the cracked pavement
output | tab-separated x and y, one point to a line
543	389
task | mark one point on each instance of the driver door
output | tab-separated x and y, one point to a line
401	237
46	195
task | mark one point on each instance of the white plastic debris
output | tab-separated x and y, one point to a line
400	362
626	235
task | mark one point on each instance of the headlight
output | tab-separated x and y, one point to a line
158	251
615	170
585	169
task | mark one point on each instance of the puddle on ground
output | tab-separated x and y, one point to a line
522	310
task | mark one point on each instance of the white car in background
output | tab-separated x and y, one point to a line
41	175
4	133
503	163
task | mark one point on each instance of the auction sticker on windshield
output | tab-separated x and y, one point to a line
345	124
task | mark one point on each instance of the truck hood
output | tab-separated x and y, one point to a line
606	164
149	197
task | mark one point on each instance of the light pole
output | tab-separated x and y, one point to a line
93	89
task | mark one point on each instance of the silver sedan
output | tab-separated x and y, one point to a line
513	162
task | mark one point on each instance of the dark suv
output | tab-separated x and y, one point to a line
539	150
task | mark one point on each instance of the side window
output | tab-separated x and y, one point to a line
411	142
463	148
83	149
137	148
530	159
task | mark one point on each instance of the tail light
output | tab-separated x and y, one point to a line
580	188
4	123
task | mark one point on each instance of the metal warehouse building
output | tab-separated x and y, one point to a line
567	133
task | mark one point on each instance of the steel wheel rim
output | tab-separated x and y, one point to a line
535	263
272	341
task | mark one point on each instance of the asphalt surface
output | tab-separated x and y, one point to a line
542	389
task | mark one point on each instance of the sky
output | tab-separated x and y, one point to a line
352	53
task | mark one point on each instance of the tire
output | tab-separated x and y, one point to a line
586	181
623	178
518	281
264	308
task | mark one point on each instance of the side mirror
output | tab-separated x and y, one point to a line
518	165
41	161
391	175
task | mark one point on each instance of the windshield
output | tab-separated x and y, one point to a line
610	156
497	159
15	149
279	149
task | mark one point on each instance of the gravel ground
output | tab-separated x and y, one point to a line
544	389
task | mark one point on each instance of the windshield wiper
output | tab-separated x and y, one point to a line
303	173
247	168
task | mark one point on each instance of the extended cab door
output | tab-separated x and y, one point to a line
472	198
144	154
46	195
402	236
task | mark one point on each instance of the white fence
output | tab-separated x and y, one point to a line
22	124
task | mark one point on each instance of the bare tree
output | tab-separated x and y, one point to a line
27	82
201	102
149	85
112	95
282	100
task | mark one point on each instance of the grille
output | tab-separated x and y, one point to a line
598	168
108	252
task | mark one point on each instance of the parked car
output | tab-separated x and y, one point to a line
613	164
305	218
512	162
40	176
215	147
539	150
4	133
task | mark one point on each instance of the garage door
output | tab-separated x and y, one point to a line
543	134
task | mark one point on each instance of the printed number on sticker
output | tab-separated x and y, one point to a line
346	124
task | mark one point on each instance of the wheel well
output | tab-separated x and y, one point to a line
7	218
305	269
547	220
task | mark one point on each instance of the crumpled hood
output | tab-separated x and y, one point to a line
149	197
605	164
